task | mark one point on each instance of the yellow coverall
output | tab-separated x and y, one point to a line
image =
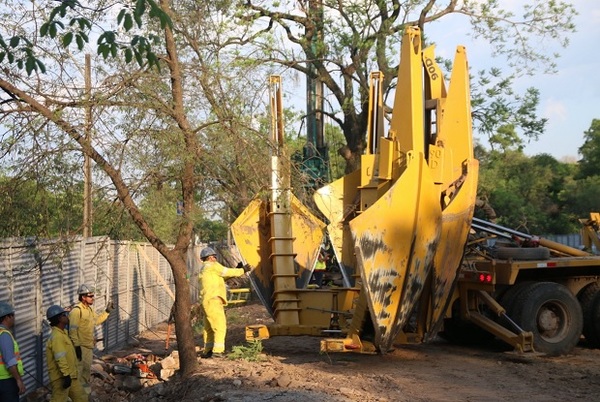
82	320
213	295
61	362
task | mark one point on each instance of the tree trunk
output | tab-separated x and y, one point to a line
183	328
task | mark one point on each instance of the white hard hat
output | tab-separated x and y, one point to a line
85	289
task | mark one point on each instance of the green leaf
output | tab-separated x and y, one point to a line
14	41
121	15
113	50
44	29
103	50
80	42
2	54
53	31
138	58
30	65
67	38
140	7
128	55
41	66
128	24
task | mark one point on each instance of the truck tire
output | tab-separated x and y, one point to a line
520	253
552	314
589	299
508	300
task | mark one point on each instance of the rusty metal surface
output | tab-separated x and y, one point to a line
252	233
457	174
456	222
395	241
336	201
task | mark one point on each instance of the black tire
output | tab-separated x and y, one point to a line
463	332
508	300
526	254
589	299
552	314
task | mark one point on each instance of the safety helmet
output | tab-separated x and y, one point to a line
53	311
6	309
85	289
206	252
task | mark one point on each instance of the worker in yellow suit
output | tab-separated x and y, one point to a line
83	319
61	359
213	296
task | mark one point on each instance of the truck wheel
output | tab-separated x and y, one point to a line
552	314
508	299
519	253
589	298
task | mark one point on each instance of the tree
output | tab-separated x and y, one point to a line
189	127
528	193
590	151
504	117
340	43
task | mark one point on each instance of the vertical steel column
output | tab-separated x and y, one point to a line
285	300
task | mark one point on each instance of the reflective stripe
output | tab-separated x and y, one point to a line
59	355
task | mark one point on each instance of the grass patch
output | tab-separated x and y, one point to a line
251	352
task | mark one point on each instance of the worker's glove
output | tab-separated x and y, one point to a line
66	381
78	352
110	306
247	268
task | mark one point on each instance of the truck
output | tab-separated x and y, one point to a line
547	288
397	227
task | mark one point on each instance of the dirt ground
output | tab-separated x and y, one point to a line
293	370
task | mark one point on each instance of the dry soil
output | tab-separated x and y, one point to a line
293	370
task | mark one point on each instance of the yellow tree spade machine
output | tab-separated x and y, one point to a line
398	225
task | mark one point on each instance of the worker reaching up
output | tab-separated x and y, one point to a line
82	321
213	297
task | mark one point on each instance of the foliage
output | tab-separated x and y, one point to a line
590	151
251	352
527	193
34	209
209	231
341	43
502	116
582	196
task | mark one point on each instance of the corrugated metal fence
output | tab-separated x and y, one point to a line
35	275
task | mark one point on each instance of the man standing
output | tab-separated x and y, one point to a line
61	360
82	320
213	295
320	267
11	365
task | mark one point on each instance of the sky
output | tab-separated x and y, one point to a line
569	99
